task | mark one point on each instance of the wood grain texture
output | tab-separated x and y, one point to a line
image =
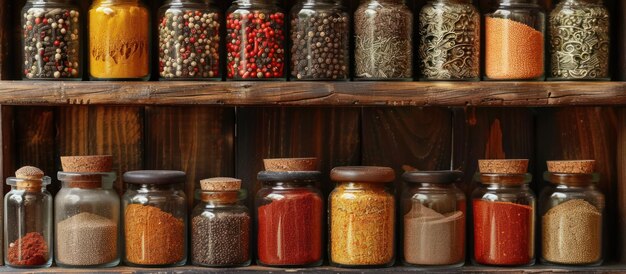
4	40
196	140
621	185
619	36
7	166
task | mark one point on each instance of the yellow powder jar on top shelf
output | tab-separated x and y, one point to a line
119	40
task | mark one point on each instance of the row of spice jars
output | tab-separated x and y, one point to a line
256	42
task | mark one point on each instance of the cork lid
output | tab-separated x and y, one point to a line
90	163
220	184
509	166
156	177
433	177
29	173
29	178
574	167
363	174
291	164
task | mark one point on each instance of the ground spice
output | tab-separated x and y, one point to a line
119	38
361	226
222	239
512	50
29	250
86	239
572	233
503	233
153	237
290	229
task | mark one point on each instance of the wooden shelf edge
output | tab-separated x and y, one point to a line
532	94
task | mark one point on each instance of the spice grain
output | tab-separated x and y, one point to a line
86	239
221	239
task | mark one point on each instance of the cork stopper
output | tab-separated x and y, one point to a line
222	189
87	164
573	167
291	164
32	178
509	166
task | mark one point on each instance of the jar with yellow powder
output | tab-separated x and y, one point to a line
119	40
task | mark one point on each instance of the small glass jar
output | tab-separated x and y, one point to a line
449	46
434	214
189	40
28	223
155	218
504	222
255	40
289	219
119	40
514	46
87	218
320	40
579	40
220	226
361	217
383	45
51	40
572	210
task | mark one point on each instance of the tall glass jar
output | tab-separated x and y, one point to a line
255	40
289	219
28	220
87	218
383	45
434	214
189	40
119	40
579	40
155	218
571	209
514	46
320	40
220	225
361	217
449	46
51	40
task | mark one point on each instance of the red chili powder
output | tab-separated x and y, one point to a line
28	250
503	233
290	229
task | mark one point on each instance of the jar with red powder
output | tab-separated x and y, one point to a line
289	219
504	214
255	40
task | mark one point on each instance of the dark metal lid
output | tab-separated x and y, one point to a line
433	177
154	177
363	174
283	176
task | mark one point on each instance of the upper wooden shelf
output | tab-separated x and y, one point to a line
314	93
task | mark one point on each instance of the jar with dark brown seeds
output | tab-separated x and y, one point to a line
320	41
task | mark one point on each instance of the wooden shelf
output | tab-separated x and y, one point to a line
314	93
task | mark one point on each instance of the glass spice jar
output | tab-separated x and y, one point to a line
434	213
220	225
571	209
289	221
119	40
51	40
28	220
361	217
155	218
449	46
514	46
579	40
383	49
189	40
255	40
320	40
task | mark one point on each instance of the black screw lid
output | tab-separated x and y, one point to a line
154	177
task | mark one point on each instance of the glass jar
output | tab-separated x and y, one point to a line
579	40
320	40
361	217
449	46
51	40
189	40
504	208
514	46
289	220
155	218
434	213
383	45
119	40
255	40
572	216
28	223
220	226
87	218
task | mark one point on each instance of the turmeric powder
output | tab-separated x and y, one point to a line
119	34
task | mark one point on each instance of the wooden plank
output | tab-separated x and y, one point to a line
619	36
621	185
4	39
6	159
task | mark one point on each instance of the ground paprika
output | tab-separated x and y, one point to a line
30	250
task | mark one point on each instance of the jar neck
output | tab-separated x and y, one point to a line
451	1
571	179
50	1
360	185
29	189
219	198
154	187
180	2
96	2
518	2
573	2
254	2
435	186
290	184
383	1
503	180
327	2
